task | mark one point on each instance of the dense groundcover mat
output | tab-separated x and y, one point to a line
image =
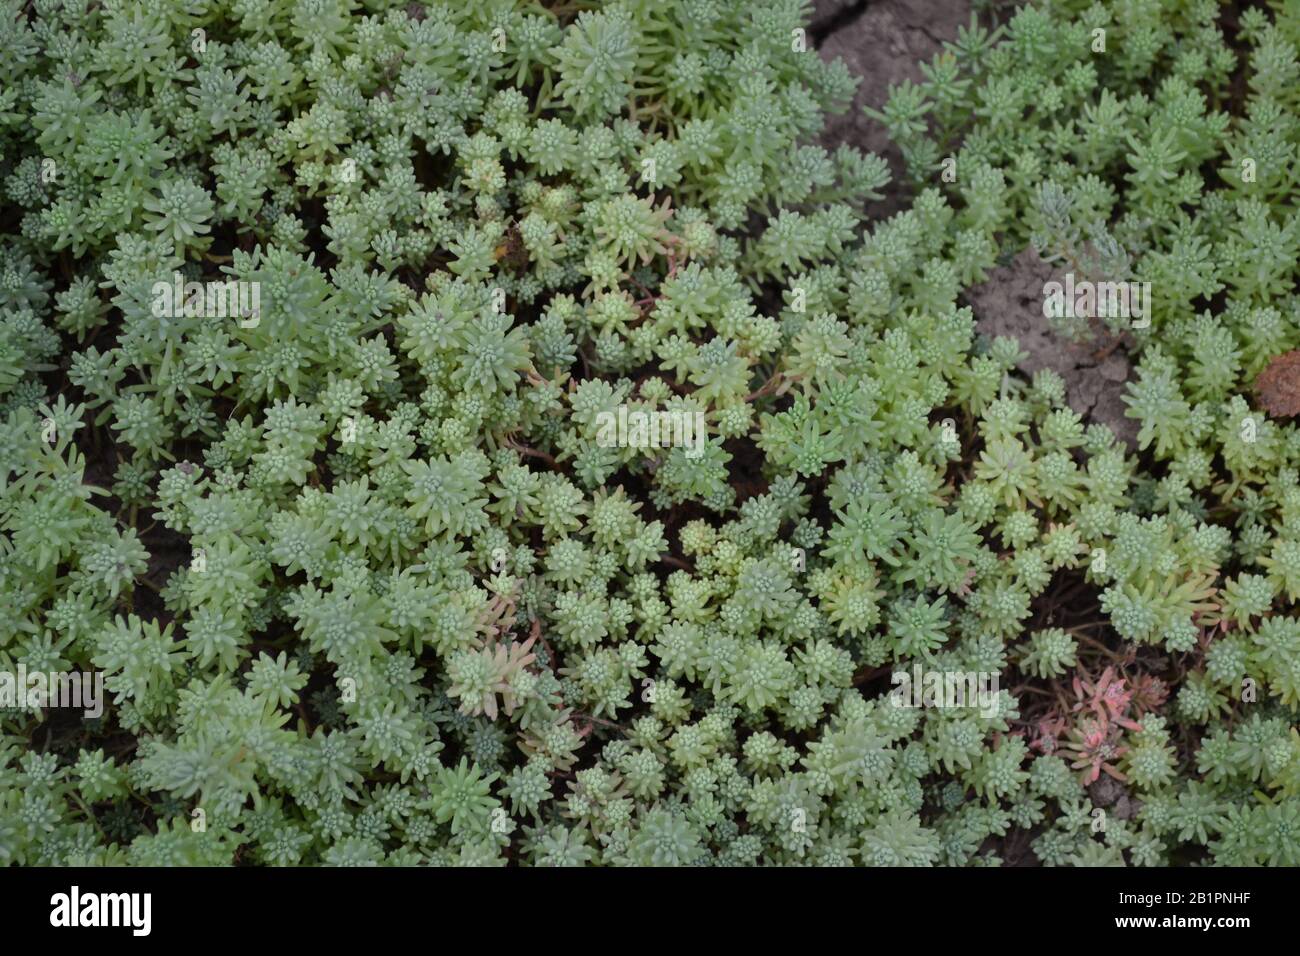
504	433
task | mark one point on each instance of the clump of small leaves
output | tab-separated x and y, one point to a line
473	433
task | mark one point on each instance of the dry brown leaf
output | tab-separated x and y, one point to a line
1278	386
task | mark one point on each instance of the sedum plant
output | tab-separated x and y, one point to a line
365	576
